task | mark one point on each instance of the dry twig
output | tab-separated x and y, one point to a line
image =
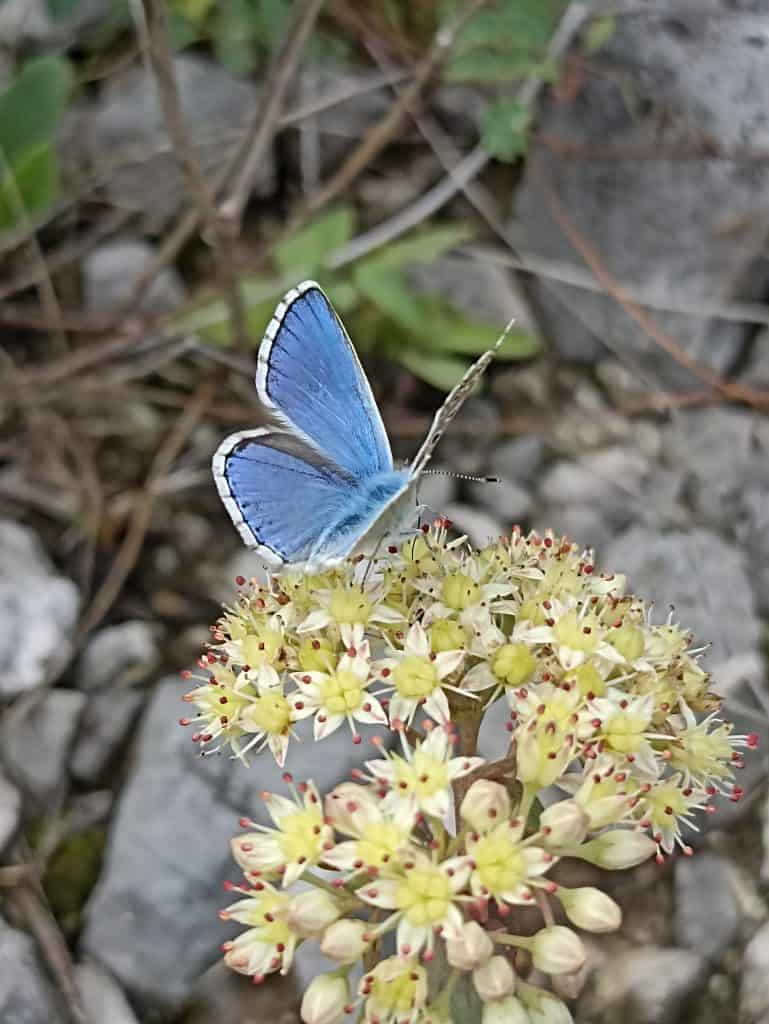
130	549
162	64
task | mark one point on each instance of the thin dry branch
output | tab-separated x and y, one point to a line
165	79
279	78
381	133
139	523
468	168
260	128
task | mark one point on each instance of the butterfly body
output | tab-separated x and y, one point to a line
321	484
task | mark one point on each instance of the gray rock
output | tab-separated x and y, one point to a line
473	432
702	576
647	986
38	610
107	718
333	132
754	991
480	527
28	22
436	490
110	270
707	916
613	479
717	449
36	741
697	227
505	501
26	995
119	656
483	292
102	997
125	134
755	372
519	460
583	524
752	529
170	839
10	812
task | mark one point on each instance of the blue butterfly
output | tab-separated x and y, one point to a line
321	484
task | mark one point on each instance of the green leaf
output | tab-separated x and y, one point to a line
307	250
599	32
28	186
497	67
61	9
443	372
419	247
390	293
505	129
453	333
31	106
234	37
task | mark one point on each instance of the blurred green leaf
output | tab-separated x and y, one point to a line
419	247
60	9
307	250
271	21
32	104
497	67
451	331
442	371
234	36
505	129
390	293
599	32
28	186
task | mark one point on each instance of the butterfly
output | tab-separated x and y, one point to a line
320	484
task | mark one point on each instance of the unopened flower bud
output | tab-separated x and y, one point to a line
343	940
316	654
350	807
591	909
471	948
504	1011
310	912
514	664
324	1000
494	979
616	850
557	950
542	1006
563	824
628	639
485	804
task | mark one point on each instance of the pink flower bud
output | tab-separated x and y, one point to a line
344	940
324	1000
590	909
557	950
310	912
485	804
471	948
494	979
563	824
504	1011
619	849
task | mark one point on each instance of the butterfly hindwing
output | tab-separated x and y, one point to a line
310	378
278	501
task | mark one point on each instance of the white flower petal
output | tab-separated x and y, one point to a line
447	662
379	893
326	724
436	706
318	619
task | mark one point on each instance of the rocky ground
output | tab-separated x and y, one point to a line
605	436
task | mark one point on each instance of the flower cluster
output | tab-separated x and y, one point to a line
605	707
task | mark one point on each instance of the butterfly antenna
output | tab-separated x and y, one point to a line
462	476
